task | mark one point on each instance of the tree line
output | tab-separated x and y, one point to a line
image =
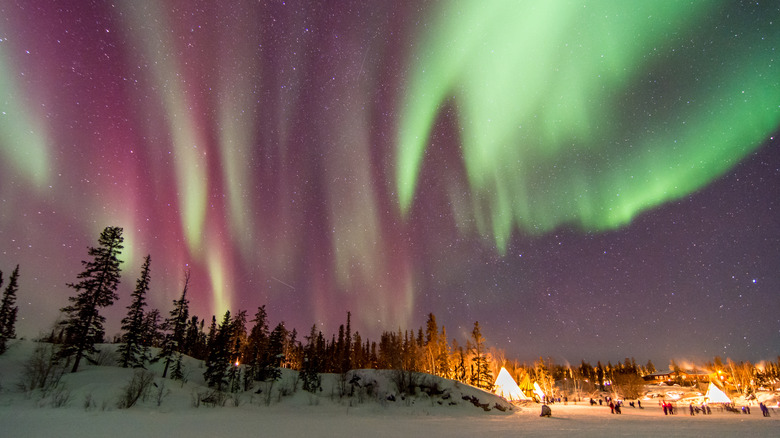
239	349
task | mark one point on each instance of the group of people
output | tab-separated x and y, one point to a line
670	409
615	406
704	409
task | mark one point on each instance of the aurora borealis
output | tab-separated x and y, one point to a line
586	179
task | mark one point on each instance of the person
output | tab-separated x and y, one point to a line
690	406
666	411
639	403
612	407
617	407
546	411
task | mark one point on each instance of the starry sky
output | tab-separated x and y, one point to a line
588	180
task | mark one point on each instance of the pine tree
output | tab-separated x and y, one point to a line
309	372
256	348
481	376
238	338
195	339
293	352
176	325
443	365
83	324
236	343
152	336
218	360
132	352
346	362
432	346
8	310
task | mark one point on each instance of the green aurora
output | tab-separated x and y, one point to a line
582	114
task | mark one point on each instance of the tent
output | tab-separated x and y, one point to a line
526	386
506	387
715	395
538	391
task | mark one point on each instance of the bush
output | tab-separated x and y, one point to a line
104	358
137	388
42	370
628	386
162	393
407	382
212	398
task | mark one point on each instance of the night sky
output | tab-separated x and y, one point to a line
588	180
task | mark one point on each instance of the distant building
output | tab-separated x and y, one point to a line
683	378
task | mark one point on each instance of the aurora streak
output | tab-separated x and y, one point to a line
556	94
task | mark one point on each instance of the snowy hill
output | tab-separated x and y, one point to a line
86	404
104	388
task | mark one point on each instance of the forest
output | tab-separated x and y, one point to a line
240	348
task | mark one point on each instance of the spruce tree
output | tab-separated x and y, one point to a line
443	365
176	325
346	361
237	345
83	324
8	309
218	359
132	352
256	348
481	376
309	372
152	336
195	339
432	345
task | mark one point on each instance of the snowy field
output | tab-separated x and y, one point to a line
332	421
90	410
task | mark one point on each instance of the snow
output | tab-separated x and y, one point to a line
326	414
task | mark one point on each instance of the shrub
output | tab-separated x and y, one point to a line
42	370
137	387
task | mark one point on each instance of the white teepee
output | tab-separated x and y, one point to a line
539	393
715	395
506	387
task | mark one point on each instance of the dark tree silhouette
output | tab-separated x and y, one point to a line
8	309
255	355
132	352
218	360
481	376
97	288
152	336
176	325
309	372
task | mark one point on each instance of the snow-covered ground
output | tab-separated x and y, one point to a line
92	393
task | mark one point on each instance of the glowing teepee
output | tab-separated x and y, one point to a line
538	391
506	387
715	395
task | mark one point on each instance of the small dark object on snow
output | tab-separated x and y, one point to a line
546	411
